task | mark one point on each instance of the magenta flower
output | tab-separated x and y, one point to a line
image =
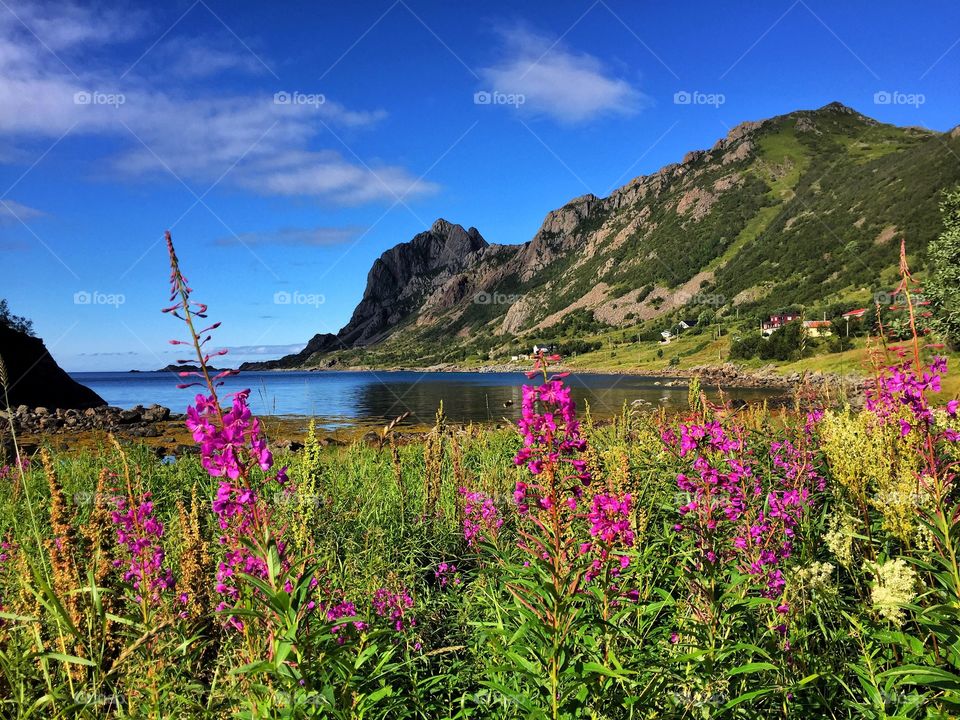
481	517
447	574
140	534
394	606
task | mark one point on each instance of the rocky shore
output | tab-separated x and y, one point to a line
136	422
727	375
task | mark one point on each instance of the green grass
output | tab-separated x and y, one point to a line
375	516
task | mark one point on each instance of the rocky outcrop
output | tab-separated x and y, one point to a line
399	284
405	275
35	380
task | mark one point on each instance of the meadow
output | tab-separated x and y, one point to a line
719	562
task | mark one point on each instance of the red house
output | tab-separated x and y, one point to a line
777	321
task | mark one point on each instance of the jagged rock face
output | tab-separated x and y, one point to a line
405	275
34	379
555	235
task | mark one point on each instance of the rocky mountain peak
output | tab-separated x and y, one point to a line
838	107
720	218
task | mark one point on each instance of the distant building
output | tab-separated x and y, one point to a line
776	322
544	348
851	314
818	328
686	324
667	336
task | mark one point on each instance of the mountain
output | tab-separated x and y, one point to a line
35	379
794	210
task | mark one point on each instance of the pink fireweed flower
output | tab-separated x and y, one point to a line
140	534
338	611
610	519
481	517
393	606
232	444
7	471
736	509
447	574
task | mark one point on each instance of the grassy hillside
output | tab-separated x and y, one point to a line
804	210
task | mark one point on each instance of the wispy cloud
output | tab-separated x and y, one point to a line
11	212
556	81
190	57
295	237
264	142
266	349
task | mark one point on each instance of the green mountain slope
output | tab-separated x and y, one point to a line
793	210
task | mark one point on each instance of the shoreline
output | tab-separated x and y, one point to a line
728	374
162	430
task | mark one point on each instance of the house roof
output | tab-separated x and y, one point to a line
859	312
817	323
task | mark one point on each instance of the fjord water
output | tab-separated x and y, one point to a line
346	398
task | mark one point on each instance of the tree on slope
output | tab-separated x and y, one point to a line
943	284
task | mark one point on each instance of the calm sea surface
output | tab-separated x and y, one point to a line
348	398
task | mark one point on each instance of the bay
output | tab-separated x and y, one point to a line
344	398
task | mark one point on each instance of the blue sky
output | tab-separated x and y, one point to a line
287	145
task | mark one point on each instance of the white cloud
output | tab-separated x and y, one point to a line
161	128
11	212
272	350
187	57
304	237
556	81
